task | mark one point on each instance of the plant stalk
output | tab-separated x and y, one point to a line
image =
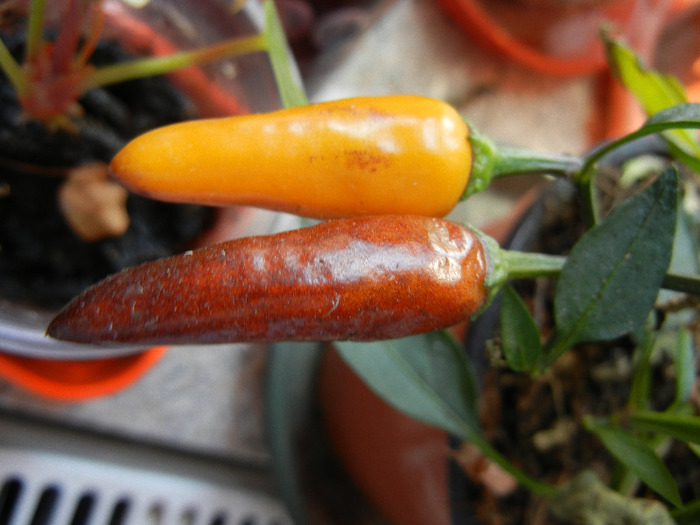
514	161
35	28
490	162
689	284
533	485
147	67
527	265
13	70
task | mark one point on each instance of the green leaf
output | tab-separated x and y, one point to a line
683	427
613	275
426	376
634	453
653	90
688	515
520	337
287	78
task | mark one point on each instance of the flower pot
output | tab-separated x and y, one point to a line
67	371
556	37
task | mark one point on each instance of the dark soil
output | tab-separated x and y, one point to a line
590	379
42	262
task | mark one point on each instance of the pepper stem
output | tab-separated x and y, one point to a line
526	265
508	265
491	162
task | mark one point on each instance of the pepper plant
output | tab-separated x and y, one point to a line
368	282
55	72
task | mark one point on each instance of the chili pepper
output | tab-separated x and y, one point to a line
366	278
353	157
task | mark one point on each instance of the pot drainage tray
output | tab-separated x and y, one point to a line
54	485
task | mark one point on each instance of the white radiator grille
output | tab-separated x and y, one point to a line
46	488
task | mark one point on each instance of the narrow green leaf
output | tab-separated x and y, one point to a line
287	78
640	391
683	427
520	337
426	376
684	354
653	90
684	116
634	453
613	275
694	448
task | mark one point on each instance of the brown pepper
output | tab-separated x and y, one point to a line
361	279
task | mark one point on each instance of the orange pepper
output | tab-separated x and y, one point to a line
353	157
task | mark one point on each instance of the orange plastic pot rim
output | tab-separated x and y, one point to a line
78	380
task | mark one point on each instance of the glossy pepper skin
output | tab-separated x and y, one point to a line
367	278
352	157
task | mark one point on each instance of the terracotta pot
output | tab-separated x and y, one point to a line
342	455
73	372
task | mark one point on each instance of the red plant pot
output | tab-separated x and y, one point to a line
551	36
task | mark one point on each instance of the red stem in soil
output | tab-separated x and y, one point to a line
68	37
97	17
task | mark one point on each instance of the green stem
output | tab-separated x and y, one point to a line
12	69
512	264
526	265
147	67
496	457
35	28
289	84
515	161
589	162
590	202
689	284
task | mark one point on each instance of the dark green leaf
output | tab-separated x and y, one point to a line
427	377
613	275
520	337
288	80
679	426
641	459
